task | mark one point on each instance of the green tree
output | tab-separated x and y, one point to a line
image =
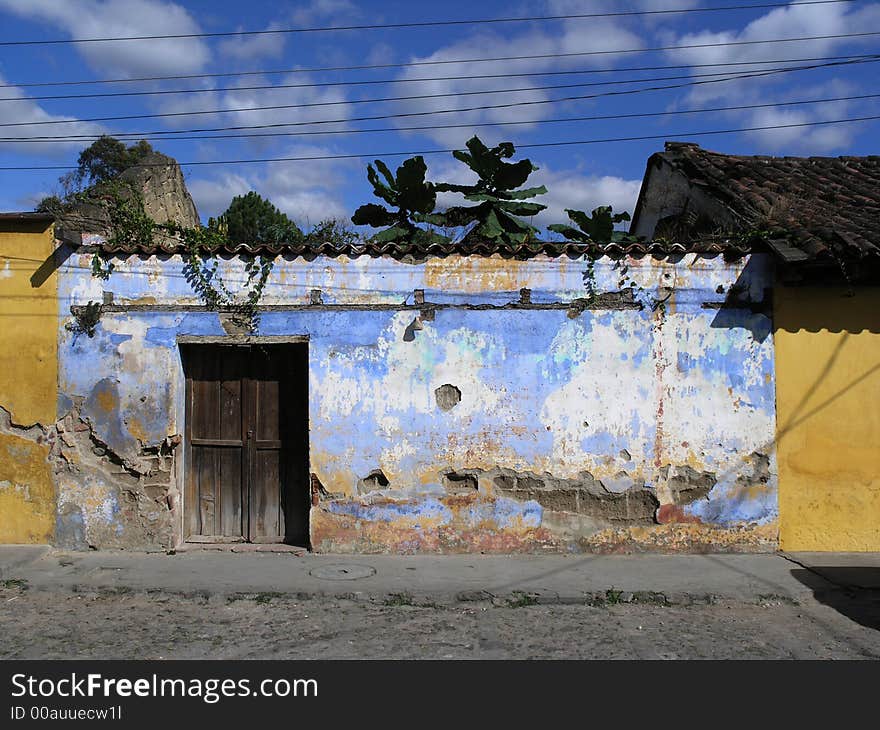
98	165
499	201
51	204
107	158
253	219
412	197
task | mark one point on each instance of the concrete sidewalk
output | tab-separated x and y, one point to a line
548	578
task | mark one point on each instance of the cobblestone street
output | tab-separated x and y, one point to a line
125	624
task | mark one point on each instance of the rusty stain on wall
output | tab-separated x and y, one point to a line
498	424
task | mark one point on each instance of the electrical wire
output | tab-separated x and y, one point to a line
574	54
422	24
376	82
533	145
128	136
275	107
744	75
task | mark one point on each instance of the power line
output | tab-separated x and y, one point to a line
601	117
374	82
440	62
422	24
533	145
739	76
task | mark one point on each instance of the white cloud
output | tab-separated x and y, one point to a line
331	101
571	188
30	201
806	140
268	45
792	21
579	191
26	112
118	18
310	207
307	191
564	7
576	36
308	13
213	195
380	54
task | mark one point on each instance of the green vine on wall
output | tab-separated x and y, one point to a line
202	272
131	227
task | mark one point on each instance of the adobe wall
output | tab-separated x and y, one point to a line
641	419
28	380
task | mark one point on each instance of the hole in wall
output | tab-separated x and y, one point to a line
376	479
460	482
447	396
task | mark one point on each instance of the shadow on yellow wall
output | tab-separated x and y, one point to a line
828	420
28	378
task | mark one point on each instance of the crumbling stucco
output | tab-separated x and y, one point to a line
573	418
106	500
583	495
27	492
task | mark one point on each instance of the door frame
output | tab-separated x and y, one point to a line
183	464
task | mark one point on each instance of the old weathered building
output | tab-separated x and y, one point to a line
442	400
701	390
821	218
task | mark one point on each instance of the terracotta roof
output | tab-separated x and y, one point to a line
820	207
312	249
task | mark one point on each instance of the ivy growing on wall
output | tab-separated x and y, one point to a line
596	230
407	215
132	227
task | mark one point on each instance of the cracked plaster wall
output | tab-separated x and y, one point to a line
28	377
619	427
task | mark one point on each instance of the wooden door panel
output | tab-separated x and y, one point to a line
247	443
266	521
214	442
233	366
266	447
268	426
217	491
232	495
207	481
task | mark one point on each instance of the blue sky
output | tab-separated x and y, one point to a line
576	176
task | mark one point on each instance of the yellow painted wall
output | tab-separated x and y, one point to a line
828	416
28	378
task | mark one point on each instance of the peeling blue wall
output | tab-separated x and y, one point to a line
623	394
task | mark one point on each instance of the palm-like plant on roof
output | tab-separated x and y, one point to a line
501	201
596	228
412	198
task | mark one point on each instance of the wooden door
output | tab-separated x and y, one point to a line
246	443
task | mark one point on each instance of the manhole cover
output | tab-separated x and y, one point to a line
342	572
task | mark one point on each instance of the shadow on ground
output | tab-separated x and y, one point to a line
855	591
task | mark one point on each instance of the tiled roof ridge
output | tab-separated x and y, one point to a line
554	249
827	207
674	146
